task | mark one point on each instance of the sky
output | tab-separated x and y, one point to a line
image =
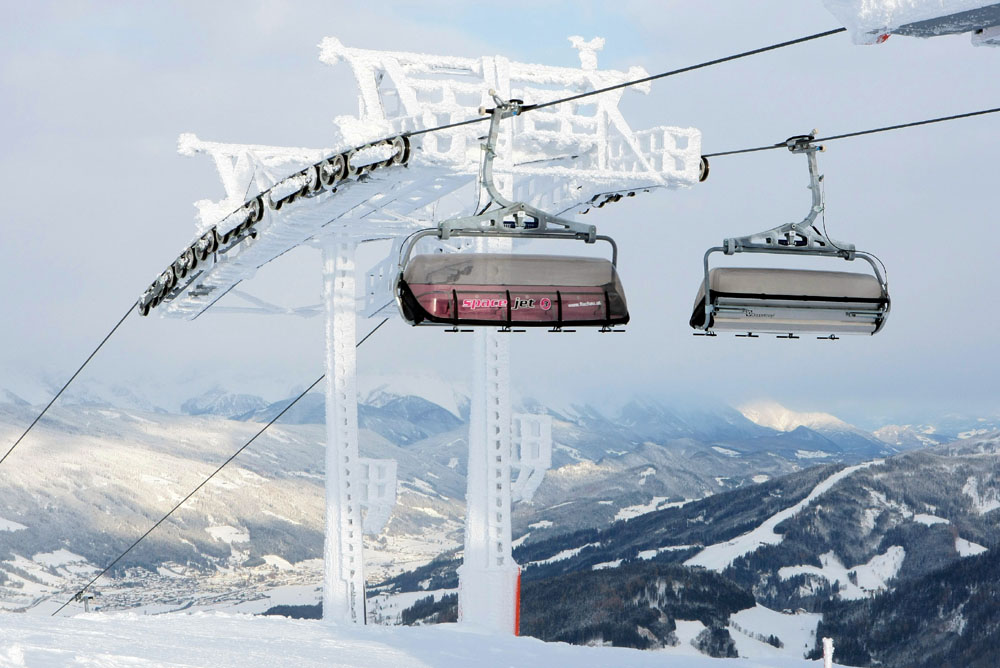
99	201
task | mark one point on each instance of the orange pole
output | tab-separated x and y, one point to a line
517	605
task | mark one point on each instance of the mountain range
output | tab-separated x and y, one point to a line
662	482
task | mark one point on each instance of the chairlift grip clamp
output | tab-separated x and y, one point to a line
802	143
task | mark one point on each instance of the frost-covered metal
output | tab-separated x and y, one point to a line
532	438
379	182
382	178
378	492
344	577
873	21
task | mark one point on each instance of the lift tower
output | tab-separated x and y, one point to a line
383	180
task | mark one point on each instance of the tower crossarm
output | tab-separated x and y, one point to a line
388	178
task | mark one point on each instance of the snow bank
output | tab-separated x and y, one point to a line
227	640
796	631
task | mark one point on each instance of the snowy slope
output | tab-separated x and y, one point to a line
221	640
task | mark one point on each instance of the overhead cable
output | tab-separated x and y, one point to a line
72	378
636	82
859	133
689	68
284	410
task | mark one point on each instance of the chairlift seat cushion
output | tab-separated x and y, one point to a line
502	289
792	300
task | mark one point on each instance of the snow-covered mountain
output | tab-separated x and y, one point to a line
132	464
90	479
218	401
909	436
857	543
773	415
709	467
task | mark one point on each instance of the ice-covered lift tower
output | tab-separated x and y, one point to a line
872	21
380	182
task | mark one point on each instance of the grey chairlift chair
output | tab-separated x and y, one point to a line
787	302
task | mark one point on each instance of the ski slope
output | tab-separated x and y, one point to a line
720	556
222	640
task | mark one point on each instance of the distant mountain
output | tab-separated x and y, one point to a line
218	401
909	437
773	415
402	420
405	420
11	398
310	409
111	395
846	437
789	518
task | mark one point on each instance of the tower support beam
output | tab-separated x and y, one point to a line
488	574
343	562
487	578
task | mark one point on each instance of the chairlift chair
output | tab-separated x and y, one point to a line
507	289
786	302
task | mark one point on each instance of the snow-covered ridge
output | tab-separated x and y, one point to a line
720	556
448	394
773	415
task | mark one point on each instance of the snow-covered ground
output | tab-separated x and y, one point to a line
750	628
220	640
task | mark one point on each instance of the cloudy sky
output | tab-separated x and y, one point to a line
98	201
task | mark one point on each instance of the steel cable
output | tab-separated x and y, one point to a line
846	135
72	378
635	82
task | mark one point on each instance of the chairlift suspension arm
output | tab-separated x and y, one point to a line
814	184
502	214
499	112
801	237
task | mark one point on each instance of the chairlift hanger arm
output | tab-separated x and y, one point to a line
803	236
502	214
